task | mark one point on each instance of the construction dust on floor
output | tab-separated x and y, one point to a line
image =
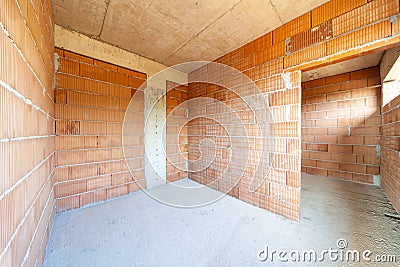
136	230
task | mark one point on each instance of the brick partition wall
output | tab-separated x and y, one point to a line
177	139
340	123
26	131
241	175
390	159
328	34
91	99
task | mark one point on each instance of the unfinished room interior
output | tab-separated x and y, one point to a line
199	133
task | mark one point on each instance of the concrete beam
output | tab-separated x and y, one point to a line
81	44
390	65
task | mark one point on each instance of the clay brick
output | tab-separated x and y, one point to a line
327	122
314	83
317	147
69	142
316	99
328	89
353	167
338	96
293	179
59	51
291	28
374	81
305	55
317	171
70	188
135	82
340	148
333	9
93	72
309	163
135	186
363	15
92	197
354	84
362	178
82	171
90	108
93	128
396	27
67	203
109	141
76	57
310	37
121	178
67	127
344	157
70	157
373	170
98	182
325	139
105	65
328	165
360	37
271	52
68	66
338	78
91	142
60	97
365	73
117	191
340	175
142	76
365	130
351	140
109	167
61	174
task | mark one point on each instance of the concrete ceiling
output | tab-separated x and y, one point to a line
358	63
176	31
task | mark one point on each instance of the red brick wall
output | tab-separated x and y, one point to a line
390	159
340	123
330	33
26	130
177	114
91	100
230	162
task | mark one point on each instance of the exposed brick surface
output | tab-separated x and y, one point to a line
333	9
300	24
363	15
279	192
343	138
312	36
27	131
390	159
329	33
359	37
91	100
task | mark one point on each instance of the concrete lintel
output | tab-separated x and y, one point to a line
84	45
390	65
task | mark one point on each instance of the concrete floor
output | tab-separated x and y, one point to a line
136	230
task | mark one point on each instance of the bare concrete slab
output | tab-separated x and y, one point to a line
172	32
136	230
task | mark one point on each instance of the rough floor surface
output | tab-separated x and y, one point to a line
136	230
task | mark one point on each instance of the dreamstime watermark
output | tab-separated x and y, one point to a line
233	140
339	254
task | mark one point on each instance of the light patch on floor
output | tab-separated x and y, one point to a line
136	230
